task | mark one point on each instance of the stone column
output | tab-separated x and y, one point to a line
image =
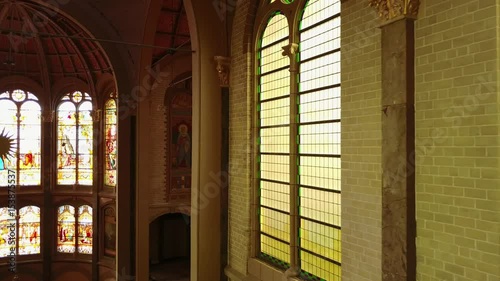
398	139
223	70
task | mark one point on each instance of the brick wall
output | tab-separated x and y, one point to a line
240	142
457	126
361	143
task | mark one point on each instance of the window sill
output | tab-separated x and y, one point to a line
258	271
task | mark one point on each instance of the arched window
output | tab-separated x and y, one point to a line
29	230
110	127
66	229
74	134
319	140
274	141
299	161
20	121
19	232
71	237
85	231
6	231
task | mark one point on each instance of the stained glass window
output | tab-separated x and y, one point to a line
66	229
274	148
85	231
305	152
29	230
110	139
20	121
74	134
6	232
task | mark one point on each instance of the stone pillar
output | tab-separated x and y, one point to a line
223	70
398	139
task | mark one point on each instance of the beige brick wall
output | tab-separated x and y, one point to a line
361	143
457	137
240	104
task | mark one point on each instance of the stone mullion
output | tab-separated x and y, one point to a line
291	51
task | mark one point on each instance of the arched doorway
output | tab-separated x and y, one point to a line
170	245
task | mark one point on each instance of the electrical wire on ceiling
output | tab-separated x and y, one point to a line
48	35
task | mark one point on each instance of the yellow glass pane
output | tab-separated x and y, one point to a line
275	112
275	248
276	84
275	195
276	29
275	140
319	10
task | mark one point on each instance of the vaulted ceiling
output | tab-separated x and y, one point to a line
172	30
43	45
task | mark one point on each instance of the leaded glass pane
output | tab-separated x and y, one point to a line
110	139
319	141
7	231
75	140
85	231
274	142
8	130
66	229
30	136
29	230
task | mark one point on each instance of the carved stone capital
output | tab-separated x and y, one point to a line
389	10
223	66
96	115
48	116
291	51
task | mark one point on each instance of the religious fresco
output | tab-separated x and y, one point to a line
180	151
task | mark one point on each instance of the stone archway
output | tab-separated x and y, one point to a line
206	42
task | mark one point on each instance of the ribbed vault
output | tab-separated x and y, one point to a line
41	44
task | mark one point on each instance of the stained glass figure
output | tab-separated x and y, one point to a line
110	139
29	230
75	125
6	241
85	231
66	229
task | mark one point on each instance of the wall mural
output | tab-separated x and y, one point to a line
179	133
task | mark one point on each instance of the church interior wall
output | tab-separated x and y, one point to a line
457	144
